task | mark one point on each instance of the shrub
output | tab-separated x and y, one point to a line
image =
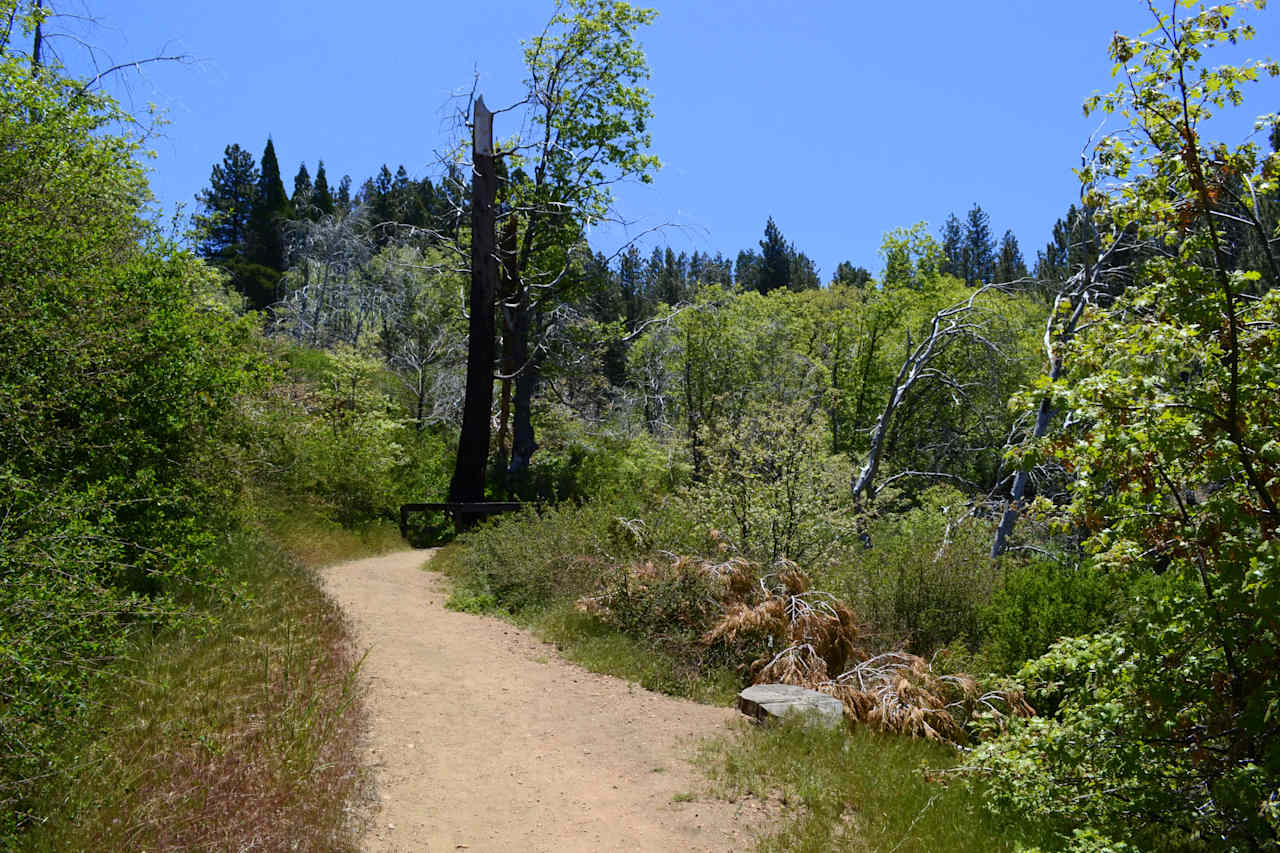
773	488
1041	601
926	576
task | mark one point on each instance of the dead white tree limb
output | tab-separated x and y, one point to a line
961	321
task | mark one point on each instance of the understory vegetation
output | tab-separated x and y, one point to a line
1022	523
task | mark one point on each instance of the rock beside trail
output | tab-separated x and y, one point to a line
763	701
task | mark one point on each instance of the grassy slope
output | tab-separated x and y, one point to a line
243	736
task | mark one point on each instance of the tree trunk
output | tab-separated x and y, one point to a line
467	484
523	444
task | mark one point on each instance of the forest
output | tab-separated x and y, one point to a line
1022	509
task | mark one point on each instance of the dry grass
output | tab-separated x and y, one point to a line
241	737
810	638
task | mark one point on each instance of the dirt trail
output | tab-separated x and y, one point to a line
483	739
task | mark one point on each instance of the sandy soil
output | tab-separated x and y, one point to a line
483	739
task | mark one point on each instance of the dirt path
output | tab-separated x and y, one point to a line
483	739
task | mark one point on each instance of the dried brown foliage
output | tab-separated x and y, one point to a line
792	634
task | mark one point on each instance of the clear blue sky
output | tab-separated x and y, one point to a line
840	118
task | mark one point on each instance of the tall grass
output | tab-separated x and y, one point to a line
243	735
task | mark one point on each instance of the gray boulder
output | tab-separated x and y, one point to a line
765	701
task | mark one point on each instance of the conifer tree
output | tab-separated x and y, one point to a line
321	197
775	259
953	247
342	202
979	247
850	275
302	192
1010	266
803	273
270	209
747	270
223	227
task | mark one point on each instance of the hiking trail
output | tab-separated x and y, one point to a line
482	738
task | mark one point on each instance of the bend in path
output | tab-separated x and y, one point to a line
483	739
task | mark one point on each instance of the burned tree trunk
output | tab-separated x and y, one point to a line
467	484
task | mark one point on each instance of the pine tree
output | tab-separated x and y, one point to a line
1010	266
224	225
848	274
321	198
224	228
270	209
803	273
979	247
775	259
953	247
748	270
302	192
342	202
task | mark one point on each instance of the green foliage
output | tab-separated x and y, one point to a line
1166	726
926	577
577	463
859	791
587	71
121	360
1041	601
772	486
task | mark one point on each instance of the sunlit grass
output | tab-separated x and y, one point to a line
241	736
858	791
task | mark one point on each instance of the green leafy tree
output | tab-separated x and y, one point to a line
121	359
1166	728
588	110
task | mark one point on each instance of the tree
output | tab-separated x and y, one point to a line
775	259
1172	391
953	247
224	227
747	270
227	206
803	273
848	274
321	197
342	202
979	248
589	111
302	194
270	212
1010	266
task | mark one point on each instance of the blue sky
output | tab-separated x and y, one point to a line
841	120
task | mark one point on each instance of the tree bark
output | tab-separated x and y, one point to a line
467	484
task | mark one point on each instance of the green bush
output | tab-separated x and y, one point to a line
926	577
1041	601
576	463
772	487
